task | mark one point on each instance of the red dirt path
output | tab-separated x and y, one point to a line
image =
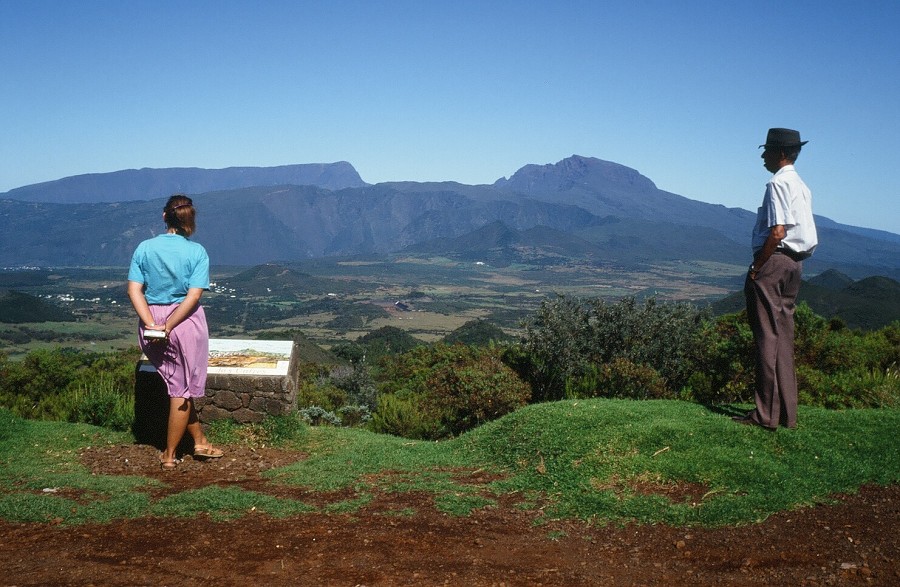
854	542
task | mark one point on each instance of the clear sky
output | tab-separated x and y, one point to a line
468	91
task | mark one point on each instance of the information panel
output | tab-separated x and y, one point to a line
249	357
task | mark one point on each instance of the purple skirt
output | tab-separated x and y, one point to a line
183	358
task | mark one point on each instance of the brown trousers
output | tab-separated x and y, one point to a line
771	299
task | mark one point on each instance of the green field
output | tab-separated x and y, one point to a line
336	300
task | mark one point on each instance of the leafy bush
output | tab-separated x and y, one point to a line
316	389
851	388
318	416
105	405
355	415
451	388
46	383
836	367
569	337
347	390
831	351
474	388
401	415
619	378
724	364
356	382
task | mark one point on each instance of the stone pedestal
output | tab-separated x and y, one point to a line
151	409
247	381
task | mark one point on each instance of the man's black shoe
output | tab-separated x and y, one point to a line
748	421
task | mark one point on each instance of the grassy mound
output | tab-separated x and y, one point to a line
606	461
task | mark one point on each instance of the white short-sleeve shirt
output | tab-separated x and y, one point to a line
787	202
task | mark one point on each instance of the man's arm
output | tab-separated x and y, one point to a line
776	235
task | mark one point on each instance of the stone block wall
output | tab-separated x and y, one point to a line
247	398
244	398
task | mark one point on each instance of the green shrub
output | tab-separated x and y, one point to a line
476	387
831	347
356	383
555	347
836	367
569	335
316	389
355	415
452	389
401	415
852	388
619	379
318	416
724	364
44	384
103	404
282	429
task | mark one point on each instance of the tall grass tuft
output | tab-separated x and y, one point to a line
101	402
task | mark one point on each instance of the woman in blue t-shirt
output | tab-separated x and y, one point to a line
167	277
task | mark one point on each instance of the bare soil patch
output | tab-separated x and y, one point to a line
401	539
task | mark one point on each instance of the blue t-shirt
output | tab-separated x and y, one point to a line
169	265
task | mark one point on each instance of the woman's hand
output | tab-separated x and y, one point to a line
184	309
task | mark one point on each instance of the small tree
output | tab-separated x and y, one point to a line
570	338
445	390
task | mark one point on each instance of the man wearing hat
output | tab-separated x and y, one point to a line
784	235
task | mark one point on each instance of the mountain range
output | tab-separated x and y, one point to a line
580	208
147	184
869	303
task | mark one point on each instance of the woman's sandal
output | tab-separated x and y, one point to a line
168	465
207	451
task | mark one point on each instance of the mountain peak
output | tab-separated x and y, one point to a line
575	171
832	279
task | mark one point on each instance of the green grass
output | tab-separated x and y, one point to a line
226	503
605	461
589	457
41	478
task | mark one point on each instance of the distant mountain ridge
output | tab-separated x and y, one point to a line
869	303
581	207
148	184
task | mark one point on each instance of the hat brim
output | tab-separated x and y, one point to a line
800	144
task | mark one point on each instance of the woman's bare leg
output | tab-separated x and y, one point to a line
203	448
194	428
179	414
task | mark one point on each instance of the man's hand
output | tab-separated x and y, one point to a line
776	235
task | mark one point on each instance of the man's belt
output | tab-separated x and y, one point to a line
792	254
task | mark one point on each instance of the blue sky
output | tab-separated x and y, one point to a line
682	91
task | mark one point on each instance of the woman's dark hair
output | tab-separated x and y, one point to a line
179	214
